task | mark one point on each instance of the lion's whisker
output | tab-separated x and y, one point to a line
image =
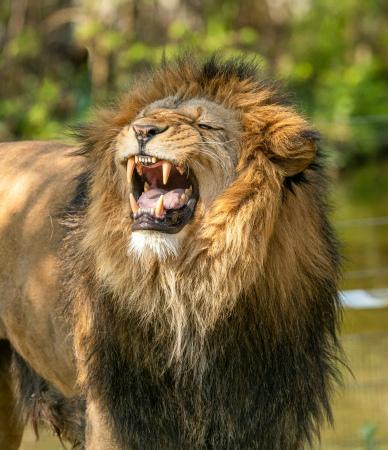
214	157
218	142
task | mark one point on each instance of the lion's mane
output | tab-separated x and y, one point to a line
233	344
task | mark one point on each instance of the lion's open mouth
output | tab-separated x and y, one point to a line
163	195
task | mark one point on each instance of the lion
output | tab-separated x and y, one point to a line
171	282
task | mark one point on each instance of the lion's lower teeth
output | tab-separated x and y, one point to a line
133	203
149	211
159	208
188	192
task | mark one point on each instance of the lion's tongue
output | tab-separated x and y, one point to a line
171	198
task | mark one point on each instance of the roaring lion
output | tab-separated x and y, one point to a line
171	283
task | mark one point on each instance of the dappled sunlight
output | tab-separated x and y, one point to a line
14	195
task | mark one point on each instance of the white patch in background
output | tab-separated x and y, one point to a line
155	243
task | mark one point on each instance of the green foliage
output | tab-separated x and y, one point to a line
368	433
331	54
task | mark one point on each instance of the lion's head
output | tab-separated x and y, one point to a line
185	149
176	153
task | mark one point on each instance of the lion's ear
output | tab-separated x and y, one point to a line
289	141
294	154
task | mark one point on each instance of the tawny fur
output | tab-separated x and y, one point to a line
259	266
231	343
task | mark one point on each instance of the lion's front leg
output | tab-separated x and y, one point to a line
11	427
98	433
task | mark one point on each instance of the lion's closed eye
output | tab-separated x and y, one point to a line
206	126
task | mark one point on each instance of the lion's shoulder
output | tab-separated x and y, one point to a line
37	182
36	174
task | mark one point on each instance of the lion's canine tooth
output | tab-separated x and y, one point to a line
153	160
136	159
166	171
130	167
180	169
133	203
146	187
189	191
183	199
159	208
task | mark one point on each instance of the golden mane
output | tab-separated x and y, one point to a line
252	294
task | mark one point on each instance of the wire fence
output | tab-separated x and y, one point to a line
361	407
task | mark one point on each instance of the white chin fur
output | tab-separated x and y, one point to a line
155	243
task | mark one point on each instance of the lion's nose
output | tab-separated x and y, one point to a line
144	133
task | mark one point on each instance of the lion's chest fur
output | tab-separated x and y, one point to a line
192	402
177	360
210	396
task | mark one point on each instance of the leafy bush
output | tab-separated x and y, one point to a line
60	56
